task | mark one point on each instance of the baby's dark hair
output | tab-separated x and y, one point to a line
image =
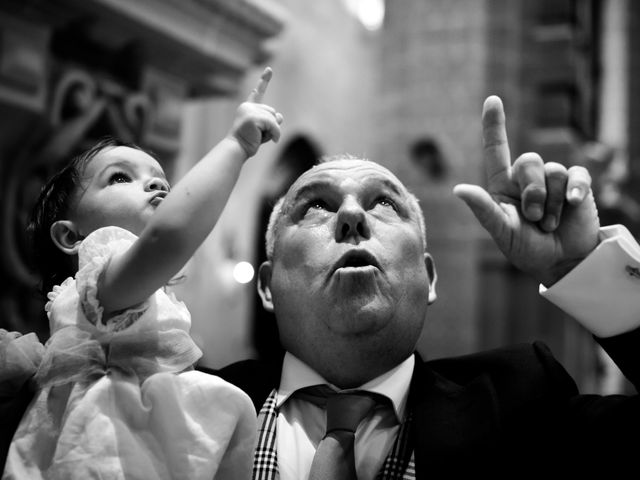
53	204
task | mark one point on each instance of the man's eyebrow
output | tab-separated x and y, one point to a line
310	189
393	186
318	185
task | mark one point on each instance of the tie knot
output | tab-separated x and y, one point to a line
345	411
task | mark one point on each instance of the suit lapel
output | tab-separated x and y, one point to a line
454	426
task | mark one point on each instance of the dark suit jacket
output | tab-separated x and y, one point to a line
512	412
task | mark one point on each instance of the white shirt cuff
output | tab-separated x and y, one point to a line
603	291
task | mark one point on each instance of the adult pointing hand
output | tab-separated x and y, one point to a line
541	215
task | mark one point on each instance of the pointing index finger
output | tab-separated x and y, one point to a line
497	160
257	93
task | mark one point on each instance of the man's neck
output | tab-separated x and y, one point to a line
394	383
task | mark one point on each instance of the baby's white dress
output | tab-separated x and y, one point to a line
118	400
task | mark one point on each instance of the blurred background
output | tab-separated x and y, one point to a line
400	82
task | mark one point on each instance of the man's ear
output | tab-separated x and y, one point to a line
65	236
433	276
264	285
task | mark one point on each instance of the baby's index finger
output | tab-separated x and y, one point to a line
497	159
257	94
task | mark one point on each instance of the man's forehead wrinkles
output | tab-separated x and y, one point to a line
330	182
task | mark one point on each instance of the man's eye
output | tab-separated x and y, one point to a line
119	177
317	205
385	202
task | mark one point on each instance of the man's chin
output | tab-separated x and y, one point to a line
360	315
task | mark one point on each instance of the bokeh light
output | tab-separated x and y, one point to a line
243	272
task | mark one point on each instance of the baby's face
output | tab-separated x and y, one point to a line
121	186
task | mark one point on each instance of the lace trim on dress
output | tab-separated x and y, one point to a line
53	294
93	257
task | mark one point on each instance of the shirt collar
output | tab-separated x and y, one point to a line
393	384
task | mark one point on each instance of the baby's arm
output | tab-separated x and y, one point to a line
188	214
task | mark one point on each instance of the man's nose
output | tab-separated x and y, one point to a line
156	183
351	221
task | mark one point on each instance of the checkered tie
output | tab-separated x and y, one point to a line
334	458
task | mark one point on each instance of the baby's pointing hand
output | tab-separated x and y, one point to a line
255	122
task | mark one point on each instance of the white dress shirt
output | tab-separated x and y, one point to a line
301	424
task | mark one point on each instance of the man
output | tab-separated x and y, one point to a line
349	279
